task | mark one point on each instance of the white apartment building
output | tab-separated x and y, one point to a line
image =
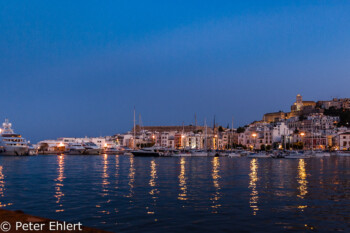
344	141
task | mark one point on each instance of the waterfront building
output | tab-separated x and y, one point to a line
256	136
279	130
344	141
335	103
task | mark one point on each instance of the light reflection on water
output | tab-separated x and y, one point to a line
182	180
2	189
154	191
59	183
131	178
181	194
302	181
215	175
254	195
105	175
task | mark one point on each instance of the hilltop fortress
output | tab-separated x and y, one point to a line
298	108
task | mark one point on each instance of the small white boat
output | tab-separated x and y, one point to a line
198	153
234	155
258	155
343	153
181	154
321	154
296	155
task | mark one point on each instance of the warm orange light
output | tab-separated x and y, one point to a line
254	134
302	134
105	144
153	137
183	136
61	145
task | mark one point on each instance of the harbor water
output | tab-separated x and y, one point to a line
205	194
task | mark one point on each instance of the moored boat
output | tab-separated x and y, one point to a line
75	149
147	152
342	153
12	143
296	155
258	155
199	153
91	149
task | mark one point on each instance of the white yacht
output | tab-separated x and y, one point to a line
75	149
91	149
12	143
110	148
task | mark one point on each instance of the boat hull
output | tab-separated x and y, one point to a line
145	154
75	152
15	151
232	155
92	152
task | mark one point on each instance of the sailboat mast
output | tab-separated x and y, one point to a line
231	134
206	136
134	129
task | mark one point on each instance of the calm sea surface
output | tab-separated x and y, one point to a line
133	194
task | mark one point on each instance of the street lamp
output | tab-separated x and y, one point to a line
302	134
254	136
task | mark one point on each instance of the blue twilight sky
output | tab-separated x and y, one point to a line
77	68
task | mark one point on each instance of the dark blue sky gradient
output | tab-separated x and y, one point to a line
77	68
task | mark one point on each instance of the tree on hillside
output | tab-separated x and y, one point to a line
240	130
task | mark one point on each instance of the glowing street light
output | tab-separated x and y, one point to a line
254	136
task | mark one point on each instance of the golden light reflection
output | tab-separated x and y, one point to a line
59	183
215	175
2	188
117	171
182	181
2	183
105	176
152	183
302	181
254	195
131	177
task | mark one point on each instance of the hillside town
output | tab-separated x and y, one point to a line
310	125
